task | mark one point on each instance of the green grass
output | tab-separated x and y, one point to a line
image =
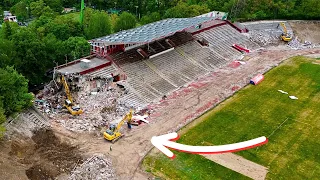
293	149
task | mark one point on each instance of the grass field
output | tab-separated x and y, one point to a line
292	127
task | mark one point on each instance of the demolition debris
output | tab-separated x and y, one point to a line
96	167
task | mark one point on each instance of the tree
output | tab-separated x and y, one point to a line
76	47
39	8
310	9
30	59
13	91
125	21
149	18
183	10
8	29
55	5
55	47
20	10
98	26
7	52
64	27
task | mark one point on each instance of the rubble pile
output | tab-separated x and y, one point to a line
296	44
95	167
99	108
100	105
264	38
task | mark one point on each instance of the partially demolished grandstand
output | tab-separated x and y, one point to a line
136	67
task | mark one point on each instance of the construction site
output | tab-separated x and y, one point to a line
96	117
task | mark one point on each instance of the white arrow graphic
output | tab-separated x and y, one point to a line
164	142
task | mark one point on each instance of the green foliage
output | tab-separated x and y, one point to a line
183	10
2	115
6	52
63	27
13	91
125	21
8	29
29	54
99	25
149	18
55	5
20	10
76	47
39	8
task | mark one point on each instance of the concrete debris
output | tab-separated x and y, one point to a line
264	38
295	44
98	99
96	167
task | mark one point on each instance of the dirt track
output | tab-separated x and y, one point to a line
306	30
179	109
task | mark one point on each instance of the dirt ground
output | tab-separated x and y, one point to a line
306	30
180	108
48	155
44	156
239	164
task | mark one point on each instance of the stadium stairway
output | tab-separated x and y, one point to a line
150	79
26	122
221	39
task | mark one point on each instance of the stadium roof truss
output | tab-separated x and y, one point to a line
151	32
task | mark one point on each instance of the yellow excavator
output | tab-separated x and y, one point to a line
72	108
113	133
285	36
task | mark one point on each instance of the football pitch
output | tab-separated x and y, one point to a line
292	127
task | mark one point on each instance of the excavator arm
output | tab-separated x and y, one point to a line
127	118
66	87
284	28
285	35
74	110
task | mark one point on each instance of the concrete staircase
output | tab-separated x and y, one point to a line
26	122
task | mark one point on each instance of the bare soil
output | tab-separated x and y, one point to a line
43	156
306	30
239	164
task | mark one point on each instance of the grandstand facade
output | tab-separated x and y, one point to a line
160	57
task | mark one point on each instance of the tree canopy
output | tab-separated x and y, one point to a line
97	24
125	21
13	92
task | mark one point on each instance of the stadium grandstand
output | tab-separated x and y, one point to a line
158	58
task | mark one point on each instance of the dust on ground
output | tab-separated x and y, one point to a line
306	30
44	156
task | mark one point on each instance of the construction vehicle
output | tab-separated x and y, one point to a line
72	108
285	36
113	133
